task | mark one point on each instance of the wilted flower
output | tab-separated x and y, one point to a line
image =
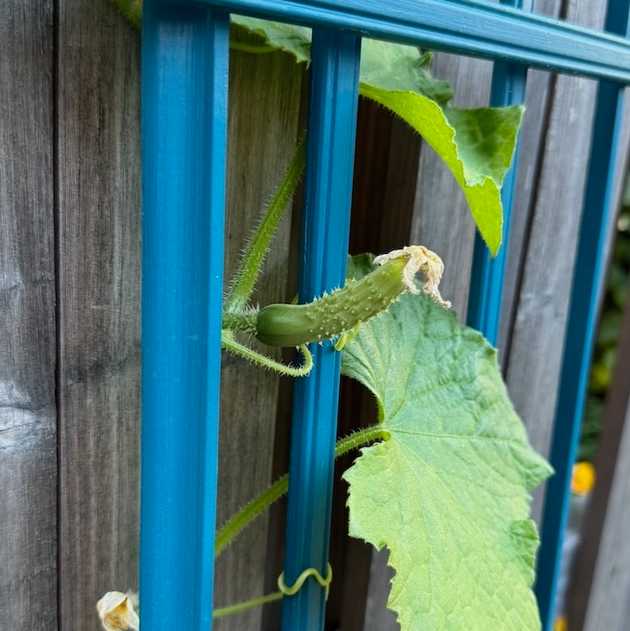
117	611
422	260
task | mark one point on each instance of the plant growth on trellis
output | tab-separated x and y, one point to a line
443	480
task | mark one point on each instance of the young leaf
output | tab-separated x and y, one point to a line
290	38
448	493
383	64
477	145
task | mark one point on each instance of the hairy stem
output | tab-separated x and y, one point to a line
244	321
258	246
237	523
236	348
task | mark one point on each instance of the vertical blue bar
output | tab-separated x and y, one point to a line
486	284
588	281
184	122
325	236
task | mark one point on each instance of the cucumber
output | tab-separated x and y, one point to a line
334	313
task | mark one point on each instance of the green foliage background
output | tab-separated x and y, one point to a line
608	334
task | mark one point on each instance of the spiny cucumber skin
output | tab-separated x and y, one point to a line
334	313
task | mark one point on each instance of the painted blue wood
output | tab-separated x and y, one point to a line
588	281
470	27
324	250
184	123
486	283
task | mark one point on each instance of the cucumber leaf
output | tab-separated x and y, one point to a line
383	65
289	38
448	492
476	145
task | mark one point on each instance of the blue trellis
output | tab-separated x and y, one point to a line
184	119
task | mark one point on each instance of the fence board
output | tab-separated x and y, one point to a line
99	239
99	337
600	584
99	219
610	591
541	248
265	92
28	437
532	358
539	98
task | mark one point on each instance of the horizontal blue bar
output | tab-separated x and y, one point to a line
184	130
324	251
469	27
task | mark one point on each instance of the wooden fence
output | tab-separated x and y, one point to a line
69	311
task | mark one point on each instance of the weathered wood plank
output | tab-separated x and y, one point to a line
99	333
602	563
99	220
610	591
533	356
538	101
264	121
28	435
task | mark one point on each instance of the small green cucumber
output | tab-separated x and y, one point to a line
334	313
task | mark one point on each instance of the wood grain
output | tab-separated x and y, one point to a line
610	590
99	243
28	433
99	332
538	101
79	436
534	354
263	129
598	569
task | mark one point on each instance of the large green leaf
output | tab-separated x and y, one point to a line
448	493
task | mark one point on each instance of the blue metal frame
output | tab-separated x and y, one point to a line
185	61
184	123
469	27
325	236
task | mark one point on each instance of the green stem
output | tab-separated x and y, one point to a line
258	246
244	321
246	605
236	524
236	348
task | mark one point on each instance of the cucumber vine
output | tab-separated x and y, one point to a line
443	479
